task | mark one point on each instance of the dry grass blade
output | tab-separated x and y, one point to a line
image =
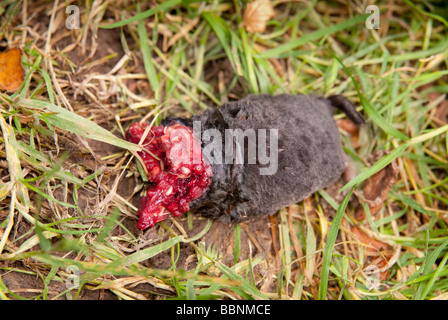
19	194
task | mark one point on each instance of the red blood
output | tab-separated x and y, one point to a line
175	166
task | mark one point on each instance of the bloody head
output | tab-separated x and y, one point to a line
176	169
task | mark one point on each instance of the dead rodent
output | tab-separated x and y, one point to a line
265	153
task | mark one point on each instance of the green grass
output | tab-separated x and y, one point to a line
397	76
329	246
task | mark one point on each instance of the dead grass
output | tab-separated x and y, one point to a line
70	185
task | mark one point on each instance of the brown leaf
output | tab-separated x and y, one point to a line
11	71
352	129
376	189
441	113
348	126
257	14
380	252
372	244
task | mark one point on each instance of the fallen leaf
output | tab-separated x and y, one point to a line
352	129
441	113
378	186
374	245
376	189
378	252
349	126
11	71
257	14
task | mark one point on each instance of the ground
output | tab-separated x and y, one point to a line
70	187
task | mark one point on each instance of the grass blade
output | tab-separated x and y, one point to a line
310	248
67	120
434	277
219	27
236	251
245	288
144	14
145	253
380	164
427	268
331	240
370	110
291	45
383	162
147	58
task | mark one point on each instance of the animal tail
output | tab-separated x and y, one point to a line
349	109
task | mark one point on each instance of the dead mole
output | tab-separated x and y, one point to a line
259	154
